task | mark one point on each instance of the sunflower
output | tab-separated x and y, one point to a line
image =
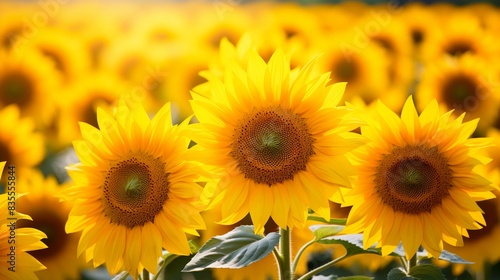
419	19
366	71
101	89
26	239
49	215
279	137
466	84
416	181
461	33
480	247
64	50
19	144
135	191
29	81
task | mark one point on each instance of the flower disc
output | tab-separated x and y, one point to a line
134	190
271	145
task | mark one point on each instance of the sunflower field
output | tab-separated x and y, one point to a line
249	140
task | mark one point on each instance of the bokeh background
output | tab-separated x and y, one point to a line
60	60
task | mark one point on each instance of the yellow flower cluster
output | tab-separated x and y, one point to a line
297	109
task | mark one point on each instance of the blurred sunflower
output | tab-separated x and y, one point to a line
49	215
183	75
466	84
276	133
209	27
11	28
460	33
365	71
420	21
30	82
417	173
19	144
27	239
64	50
101	89
135	191
394	37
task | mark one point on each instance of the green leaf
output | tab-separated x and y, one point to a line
333	221
353	243
448	256
322	231
121	276
235	249
193	247
426	272
398	274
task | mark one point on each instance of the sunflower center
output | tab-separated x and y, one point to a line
16	88
417	36
135	190
345	71
492	218
413	179
457	89
458	48
5	154
271	145
52	225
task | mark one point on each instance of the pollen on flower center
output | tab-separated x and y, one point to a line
135	190
413	179
271	145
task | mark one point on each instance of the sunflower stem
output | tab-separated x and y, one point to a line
412	263
299	254
145	274
318	269
286	254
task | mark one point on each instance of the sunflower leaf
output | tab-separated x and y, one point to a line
235	249
426	272
398	274
450	257
353	243
322	231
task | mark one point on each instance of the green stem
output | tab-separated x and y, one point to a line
339	222
164	264
279	259
299	254
404	262
286	254
413	262
145	274
318	269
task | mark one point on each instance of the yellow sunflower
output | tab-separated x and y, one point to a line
101	89
480	247
17	264
420	21
279	137
49	215
64	50
461	32
19	144
366	70
416	181
30	81
135	190
466	84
